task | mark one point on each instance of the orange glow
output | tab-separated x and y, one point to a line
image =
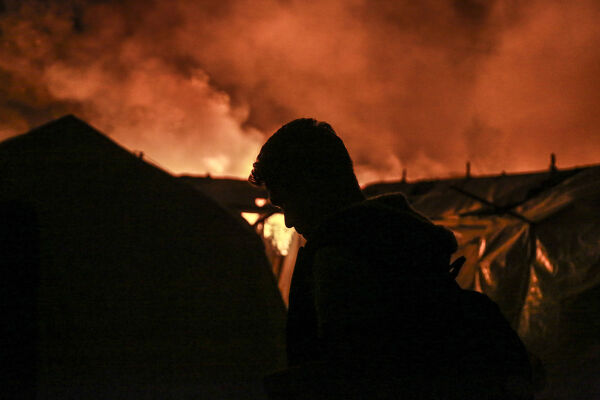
426	86
250	217
482	244
279	235
260	202
541	256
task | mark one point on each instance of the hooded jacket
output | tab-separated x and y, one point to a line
373	281
375	313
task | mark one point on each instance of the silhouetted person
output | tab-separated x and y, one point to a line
374	312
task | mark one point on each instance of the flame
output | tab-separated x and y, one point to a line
198	86
273	230
280	236
250	217
260	202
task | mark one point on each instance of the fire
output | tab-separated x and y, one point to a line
278	234
273	231
418	86
251	218
260	202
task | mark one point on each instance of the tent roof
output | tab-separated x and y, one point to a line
489	195
235	194
143	279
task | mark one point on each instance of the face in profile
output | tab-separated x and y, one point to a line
299	210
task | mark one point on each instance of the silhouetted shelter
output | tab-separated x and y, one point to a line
532	243
235	194
121	281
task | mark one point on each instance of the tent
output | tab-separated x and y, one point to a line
235	194
118	280
532	243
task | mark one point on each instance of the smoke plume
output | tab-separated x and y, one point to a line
199	85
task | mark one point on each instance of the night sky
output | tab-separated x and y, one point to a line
424	85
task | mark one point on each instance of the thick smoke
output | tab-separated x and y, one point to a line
428	85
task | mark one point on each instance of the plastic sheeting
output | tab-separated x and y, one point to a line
532	244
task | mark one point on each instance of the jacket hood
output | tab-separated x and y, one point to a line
387	229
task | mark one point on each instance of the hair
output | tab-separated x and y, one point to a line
306	152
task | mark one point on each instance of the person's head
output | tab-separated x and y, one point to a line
307	172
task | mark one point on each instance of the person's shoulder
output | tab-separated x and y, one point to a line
377	221
334	259
384	230
364	214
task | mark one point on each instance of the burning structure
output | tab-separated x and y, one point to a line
118	279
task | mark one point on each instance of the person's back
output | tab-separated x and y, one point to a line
373	310
377	281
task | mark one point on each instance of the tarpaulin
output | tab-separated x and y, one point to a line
532	244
